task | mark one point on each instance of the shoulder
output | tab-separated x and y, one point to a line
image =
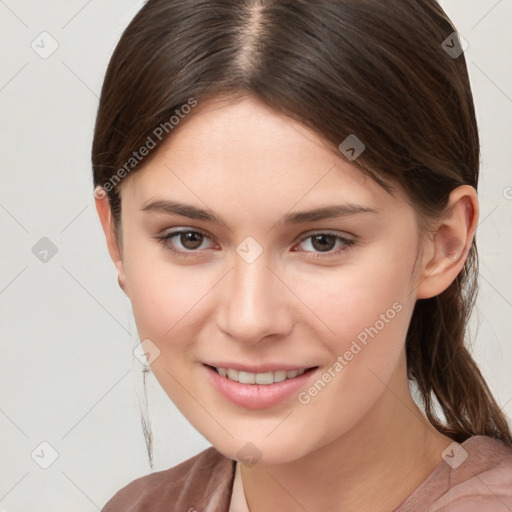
200	483
474	476
484	479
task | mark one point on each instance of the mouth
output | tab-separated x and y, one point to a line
258	390
263	378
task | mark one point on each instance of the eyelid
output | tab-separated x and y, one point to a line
332	232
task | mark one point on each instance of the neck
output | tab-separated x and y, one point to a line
374	467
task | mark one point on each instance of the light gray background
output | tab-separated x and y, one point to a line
68	375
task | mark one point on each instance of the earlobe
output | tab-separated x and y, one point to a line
107	223
451	243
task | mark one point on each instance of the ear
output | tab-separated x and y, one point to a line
446	253
107	222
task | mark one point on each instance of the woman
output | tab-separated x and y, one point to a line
288	192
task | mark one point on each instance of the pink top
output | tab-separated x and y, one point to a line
475	476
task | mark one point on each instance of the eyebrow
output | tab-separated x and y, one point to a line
323	213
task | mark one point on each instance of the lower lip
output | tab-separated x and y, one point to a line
257	396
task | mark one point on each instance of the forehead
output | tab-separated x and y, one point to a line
242	151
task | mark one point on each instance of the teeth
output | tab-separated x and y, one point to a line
247	378
258	378
279	376
232	374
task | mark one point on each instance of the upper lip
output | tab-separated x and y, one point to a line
260	368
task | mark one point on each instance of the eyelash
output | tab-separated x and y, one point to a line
347	244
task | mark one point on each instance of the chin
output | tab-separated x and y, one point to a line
260	452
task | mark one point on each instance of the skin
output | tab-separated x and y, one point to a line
359	444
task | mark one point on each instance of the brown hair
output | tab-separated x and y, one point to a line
378	70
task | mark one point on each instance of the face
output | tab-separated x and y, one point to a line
250	285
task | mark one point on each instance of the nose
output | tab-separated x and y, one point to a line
255	303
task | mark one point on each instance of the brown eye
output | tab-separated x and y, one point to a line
183	243
191	239
323	242
326	243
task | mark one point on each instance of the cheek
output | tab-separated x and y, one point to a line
368	313
165	303
167	307
163	295
365	311
350	299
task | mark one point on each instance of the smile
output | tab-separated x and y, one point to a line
258	390
265	378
